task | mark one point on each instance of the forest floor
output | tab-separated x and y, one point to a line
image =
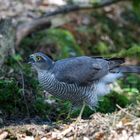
120	125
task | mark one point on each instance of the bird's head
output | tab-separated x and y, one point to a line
40	61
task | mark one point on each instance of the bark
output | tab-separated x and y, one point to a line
7	39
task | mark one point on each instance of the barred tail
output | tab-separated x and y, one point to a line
127	69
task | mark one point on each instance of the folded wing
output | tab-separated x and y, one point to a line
83	70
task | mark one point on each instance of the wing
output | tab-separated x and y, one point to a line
83	70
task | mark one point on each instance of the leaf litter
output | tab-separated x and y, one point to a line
120	125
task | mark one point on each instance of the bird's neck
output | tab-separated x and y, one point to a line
44	67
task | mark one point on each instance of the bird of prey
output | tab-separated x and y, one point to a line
79	79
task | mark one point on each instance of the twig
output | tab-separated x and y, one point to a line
23	87
85	6
114	120
123	110
23	92
66	131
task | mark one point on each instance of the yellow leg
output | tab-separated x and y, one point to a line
81	113
69	113
78	120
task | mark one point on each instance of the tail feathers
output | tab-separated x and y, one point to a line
127	69
115	62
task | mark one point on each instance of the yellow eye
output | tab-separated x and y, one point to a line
38	58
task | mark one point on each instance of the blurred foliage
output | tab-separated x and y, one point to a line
102	48
108	103
15	99
104	34
134	51
136	6
64	42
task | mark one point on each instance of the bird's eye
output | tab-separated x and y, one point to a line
38	58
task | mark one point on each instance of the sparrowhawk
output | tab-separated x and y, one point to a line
79	79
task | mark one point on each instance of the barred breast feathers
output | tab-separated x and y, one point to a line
77	93
60	89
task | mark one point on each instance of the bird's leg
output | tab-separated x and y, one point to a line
71	108
78	120
81	113
69	113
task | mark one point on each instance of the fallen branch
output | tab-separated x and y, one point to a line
43	23
85	6
25	29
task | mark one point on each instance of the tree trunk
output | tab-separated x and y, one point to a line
7	39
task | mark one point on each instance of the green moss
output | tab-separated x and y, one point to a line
136	7
134	51
9	95
102	48
108	103
65	42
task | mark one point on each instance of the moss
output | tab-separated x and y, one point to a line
108	103
134	51
65	42
9	96
102	48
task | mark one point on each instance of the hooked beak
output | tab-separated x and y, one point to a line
31	59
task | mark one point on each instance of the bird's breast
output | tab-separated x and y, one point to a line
60	89
74	92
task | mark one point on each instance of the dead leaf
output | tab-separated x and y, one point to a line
3	135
